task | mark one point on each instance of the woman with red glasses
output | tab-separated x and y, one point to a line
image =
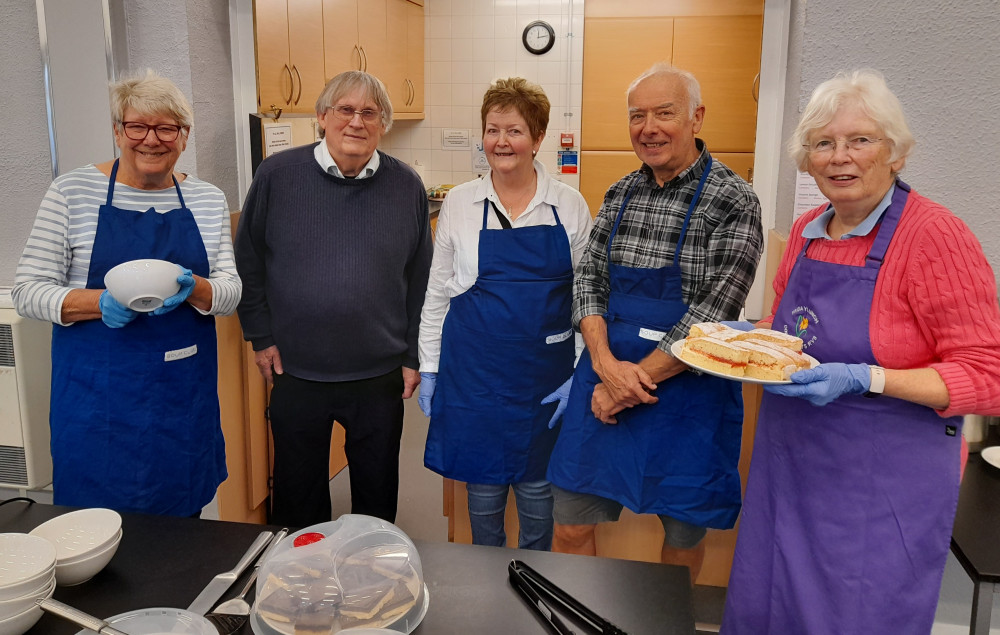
134	408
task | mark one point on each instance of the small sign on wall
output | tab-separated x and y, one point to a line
568	162
454	139
277	138
479	163
807	194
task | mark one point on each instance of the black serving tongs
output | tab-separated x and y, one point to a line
544	597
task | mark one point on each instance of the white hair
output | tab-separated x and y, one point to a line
666	69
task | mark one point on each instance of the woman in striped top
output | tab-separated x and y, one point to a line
134	412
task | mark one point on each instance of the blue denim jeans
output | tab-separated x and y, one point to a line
487	504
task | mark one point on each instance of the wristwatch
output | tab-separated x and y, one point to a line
877	382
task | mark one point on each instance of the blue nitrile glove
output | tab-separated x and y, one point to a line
186	280
114	313
427	381
562	395
826	382
741	325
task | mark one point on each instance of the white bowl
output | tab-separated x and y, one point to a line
20	623
80	534
91	553
143	285
25	563
160	620
80	571
10	608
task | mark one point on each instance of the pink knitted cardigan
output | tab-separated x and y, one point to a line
935	301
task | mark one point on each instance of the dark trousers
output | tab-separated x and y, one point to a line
302	413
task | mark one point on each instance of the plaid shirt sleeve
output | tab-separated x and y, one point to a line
719	256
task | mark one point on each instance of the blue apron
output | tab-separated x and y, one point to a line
677	457
506	343
849	506
131	431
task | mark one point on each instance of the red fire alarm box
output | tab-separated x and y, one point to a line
566	139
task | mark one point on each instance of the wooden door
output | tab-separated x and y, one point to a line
305	47
414	56
610	63
372	16
723	52
274	75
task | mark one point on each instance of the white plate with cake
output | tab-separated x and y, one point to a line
759	356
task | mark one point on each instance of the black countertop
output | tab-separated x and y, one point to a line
977	521
165	562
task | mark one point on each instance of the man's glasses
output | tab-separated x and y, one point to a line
137	131
854	144
346	113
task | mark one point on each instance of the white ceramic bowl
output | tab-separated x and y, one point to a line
80	534
10	608
80	571
143	285
20	623
160	621
26	561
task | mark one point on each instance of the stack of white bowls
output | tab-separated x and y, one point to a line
27	574
85	541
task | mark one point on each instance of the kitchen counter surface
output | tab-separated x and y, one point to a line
165	562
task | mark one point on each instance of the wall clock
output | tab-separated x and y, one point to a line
538	37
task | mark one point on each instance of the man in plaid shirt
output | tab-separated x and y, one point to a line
676	243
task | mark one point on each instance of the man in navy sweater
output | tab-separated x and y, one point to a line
334	249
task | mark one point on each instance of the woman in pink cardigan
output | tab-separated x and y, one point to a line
856	465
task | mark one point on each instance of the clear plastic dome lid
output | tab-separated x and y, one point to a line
354	572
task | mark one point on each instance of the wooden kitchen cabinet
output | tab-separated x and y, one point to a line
289	41
723	52
404	78
610	63
354	32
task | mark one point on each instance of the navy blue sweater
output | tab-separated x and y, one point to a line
334	270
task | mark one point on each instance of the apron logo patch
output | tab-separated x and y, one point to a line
950	430
559	337
803	317
180	353
650	334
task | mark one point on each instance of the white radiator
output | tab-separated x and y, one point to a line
25	376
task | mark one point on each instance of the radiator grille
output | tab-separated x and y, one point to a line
6	346
13	467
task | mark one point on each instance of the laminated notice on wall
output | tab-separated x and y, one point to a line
807	194
277	137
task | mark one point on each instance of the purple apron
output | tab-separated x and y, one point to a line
849	506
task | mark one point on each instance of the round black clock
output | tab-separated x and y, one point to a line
538	37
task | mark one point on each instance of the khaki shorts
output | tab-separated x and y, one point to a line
576	508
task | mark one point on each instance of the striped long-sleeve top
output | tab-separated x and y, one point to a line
56	258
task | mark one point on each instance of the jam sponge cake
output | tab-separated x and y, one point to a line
716	355
777	337
770	362
708	328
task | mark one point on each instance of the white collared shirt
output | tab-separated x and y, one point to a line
816	228
455	266
325	160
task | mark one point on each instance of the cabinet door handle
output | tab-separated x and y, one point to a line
358	49
298	94
364	56
409	92
755	88
291	85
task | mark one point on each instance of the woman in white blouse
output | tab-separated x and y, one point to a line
496	334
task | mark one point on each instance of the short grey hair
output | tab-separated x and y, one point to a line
865	88
150	94
349	81
664	68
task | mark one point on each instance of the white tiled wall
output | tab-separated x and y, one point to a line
469	43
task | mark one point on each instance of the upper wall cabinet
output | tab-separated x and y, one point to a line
289	35
405	76
301	44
